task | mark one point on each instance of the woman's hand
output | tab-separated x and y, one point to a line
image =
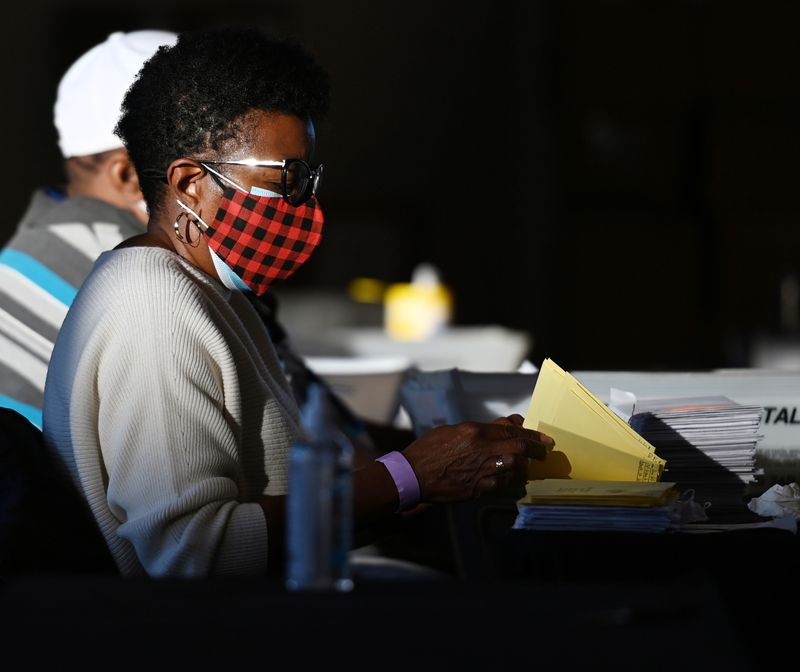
464	461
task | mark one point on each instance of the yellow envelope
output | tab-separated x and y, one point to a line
601	493
578	457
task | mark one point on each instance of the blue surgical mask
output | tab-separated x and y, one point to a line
259	191
226	276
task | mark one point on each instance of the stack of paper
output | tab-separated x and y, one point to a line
592	442
570	505
707	441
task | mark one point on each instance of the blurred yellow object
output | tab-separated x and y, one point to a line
417	310
366	290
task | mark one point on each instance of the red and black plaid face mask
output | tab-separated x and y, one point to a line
263	238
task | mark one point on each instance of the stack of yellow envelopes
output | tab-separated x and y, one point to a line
592	442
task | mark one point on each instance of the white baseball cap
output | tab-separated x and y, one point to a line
90	93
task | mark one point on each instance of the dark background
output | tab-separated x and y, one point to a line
614	177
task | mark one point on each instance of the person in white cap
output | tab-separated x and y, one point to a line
64	230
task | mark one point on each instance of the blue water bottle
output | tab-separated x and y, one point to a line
319	525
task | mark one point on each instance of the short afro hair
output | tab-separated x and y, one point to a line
187	98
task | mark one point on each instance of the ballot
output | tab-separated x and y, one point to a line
592	442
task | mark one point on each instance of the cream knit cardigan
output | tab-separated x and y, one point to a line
166	401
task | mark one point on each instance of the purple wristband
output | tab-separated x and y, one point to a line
404	478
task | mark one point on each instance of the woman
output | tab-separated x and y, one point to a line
164	396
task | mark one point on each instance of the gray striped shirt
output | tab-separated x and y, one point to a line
41	268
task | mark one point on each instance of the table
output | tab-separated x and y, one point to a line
221	625
573	600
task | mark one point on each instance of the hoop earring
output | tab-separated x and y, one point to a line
187	240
